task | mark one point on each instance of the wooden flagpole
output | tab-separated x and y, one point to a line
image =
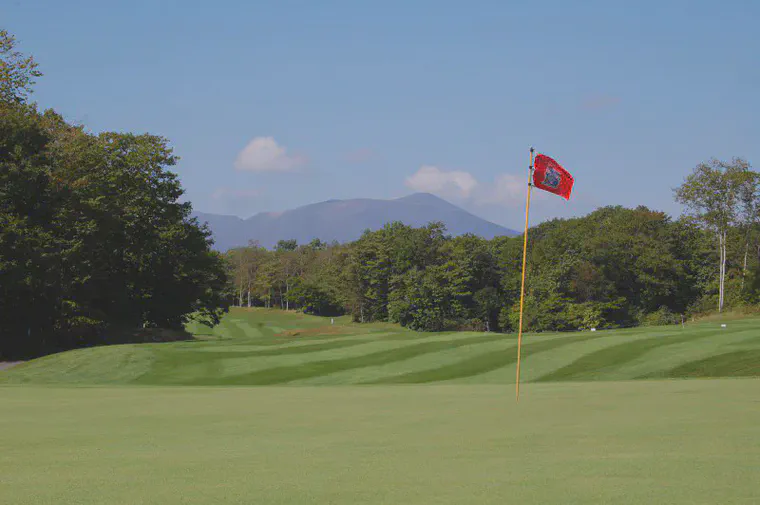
522	286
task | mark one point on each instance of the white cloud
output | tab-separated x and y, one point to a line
263	154
506	190
432	179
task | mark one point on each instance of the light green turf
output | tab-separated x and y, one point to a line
644	442
459	439
267	347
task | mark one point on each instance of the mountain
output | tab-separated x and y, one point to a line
344	221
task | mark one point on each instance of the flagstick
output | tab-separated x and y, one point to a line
522	287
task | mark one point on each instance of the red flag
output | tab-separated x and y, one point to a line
550	176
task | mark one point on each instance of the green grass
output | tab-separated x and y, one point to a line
433	422
642	442
268	347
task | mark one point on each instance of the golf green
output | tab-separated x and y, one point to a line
643	442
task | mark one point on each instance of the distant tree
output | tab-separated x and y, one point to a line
713	195
317	245
488	304
286	245
17	71
369	277
749	211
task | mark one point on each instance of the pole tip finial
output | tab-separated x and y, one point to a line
532	150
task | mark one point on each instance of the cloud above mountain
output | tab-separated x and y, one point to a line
264	154
505	190
431	179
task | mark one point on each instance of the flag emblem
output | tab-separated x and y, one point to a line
552	177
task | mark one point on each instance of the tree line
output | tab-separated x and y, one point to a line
615	267
94	240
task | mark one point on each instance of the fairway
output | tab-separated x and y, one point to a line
269	347
607	417
674	442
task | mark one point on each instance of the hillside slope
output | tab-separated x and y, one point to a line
266	347
345	220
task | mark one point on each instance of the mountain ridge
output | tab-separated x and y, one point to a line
344	221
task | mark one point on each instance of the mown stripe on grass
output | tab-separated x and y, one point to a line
259	333
282	351
285	374
670	356
249	330
744	363
171	366
610	358
230	330
211	366
481	364
754	339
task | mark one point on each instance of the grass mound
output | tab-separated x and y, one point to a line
268	347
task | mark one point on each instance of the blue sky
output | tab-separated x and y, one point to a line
277	104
